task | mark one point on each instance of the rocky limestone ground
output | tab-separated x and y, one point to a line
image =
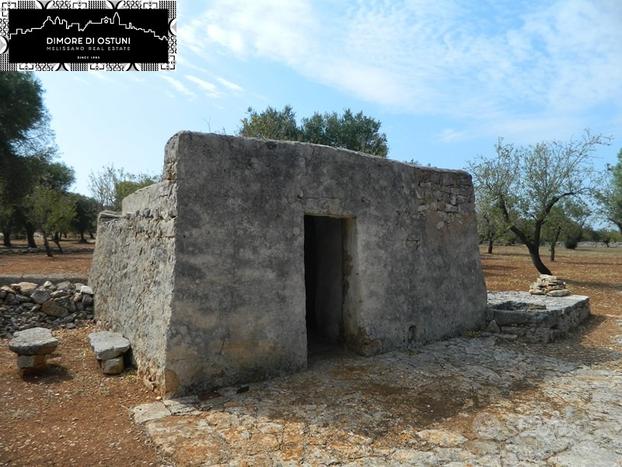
465	401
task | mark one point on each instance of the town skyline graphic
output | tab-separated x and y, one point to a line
115	20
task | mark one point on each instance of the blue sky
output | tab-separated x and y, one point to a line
445	77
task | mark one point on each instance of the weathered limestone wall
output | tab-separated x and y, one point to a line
238	307
132	274
205	272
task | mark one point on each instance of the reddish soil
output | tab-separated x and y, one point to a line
75	262
70	414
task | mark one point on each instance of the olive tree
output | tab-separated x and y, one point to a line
51	211
566	221
527	182
348	130
110	185
490	224
610	195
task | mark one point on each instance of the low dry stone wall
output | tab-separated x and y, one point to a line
26	305
535	318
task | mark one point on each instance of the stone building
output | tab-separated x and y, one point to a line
251	254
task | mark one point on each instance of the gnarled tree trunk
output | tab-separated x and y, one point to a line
534	253
30	235
48	251
558	231
56	239
6	237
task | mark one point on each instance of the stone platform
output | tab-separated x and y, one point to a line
536	318
478	401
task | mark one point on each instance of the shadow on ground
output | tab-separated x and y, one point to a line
350	408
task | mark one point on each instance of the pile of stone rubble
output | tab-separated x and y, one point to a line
26	304
550	286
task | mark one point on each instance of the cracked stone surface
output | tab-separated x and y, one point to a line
477	401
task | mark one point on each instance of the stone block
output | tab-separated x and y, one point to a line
151	411
24	288
112	366
33	341
40	296
52	308
31	362
108	345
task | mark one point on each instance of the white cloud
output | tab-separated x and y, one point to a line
209	88
178	86
229	84
513	65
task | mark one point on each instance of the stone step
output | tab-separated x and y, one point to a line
107	344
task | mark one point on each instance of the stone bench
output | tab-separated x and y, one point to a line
535	318
109	348
32	347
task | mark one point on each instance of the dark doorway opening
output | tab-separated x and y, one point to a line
324	282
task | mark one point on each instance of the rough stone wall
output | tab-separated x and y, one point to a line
238	310
536	318
132	274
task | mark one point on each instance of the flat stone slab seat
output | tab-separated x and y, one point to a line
109	348
536	318
32	347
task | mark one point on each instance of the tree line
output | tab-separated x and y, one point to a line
35	186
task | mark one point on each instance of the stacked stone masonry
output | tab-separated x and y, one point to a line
24	305
205	271
536	318
550	286
109	348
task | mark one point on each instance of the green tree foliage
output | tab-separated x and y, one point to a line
51	211
26	148
271	124
21	111
566	222
110	185
490	223
610	197
351	131
528	182
41	173
348	130
33	186
85	219
126	187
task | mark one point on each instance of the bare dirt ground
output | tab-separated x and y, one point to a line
70	414
471	400
75	262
